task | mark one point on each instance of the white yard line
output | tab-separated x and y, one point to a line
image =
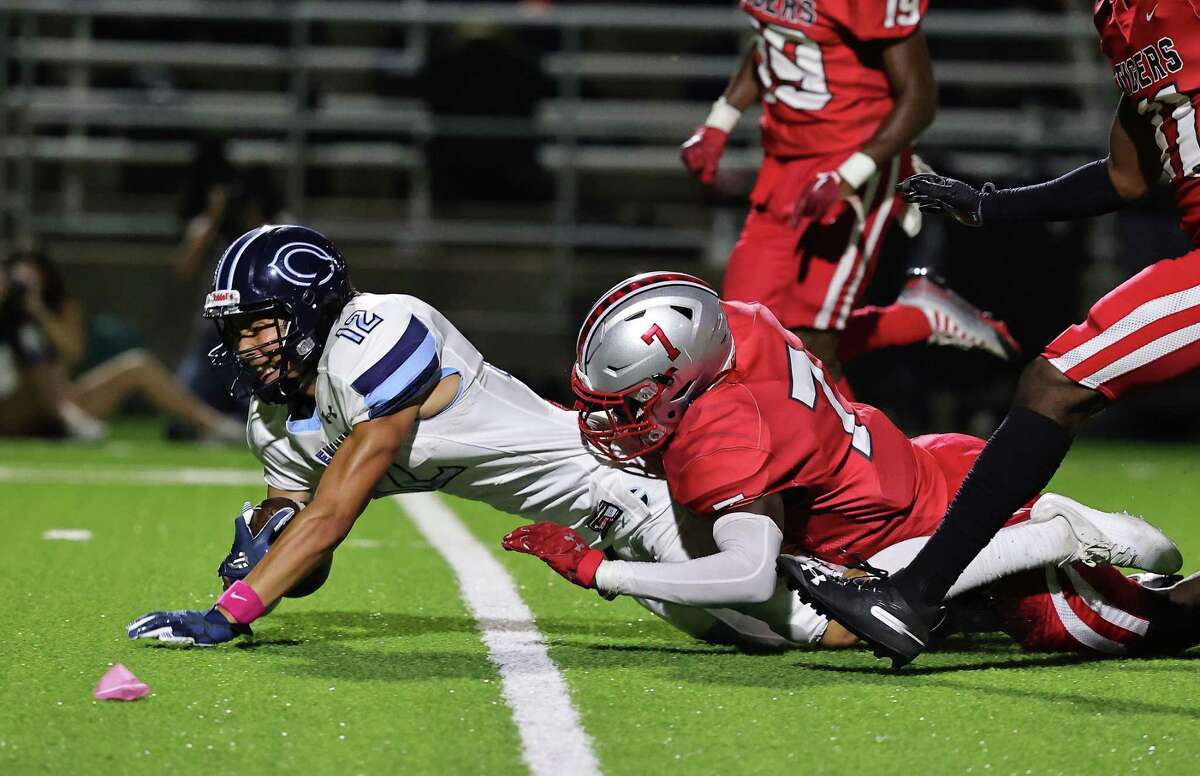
87	475
67	535
553	741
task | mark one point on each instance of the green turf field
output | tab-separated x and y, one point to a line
383	671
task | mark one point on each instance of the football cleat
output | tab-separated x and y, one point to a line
1111	538
955	321
870	607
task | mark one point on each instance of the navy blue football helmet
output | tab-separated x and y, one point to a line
291	274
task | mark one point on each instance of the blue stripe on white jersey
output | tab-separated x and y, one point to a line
423	382
409	367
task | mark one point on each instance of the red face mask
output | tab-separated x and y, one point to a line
621	424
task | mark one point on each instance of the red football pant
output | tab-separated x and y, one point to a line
1077	609
811	276
1145	331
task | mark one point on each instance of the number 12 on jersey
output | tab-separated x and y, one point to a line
806	376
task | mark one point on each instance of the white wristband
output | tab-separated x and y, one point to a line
857	169
723	116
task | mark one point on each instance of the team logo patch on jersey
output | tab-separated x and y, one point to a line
303	264
605	516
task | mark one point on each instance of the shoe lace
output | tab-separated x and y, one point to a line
862	565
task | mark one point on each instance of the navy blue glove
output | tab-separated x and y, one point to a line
187	628
248	549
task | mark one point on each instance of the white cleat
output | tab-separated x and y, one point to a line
1111	538
955	321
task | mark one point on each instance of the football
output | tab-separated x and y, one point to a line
264	512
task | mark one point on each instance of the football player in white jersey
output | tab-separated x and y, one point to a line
360	395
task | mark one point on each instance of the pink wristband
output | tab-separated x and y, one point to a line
242	602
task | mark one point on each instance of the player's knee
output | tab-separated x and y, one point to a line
1047	391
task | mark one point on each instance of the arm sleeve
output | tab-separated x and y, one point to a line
741	572
1087	191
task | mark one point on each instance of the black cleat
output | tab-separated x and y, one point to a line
870	607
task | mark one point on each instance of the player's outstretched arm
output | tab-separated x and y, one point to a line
1103	186
343	493
741	572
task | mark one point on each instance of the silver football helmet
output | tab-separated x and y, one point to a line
651	345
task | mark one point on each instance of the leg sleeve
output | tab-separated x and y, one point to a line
1016	548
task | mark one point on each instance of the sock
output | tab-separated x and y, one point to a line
1016	464
872	328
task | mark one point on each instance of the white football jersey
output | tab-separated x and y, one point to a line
498	442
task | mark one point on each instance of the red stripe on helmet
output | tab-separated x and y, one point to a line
622	291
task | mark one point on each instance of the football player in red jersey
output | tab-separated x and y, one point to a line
751	433
1144	332
846	87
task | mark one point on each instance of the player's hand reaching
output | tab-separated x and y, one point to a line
702	152
187	628
563	549
823	200
934	193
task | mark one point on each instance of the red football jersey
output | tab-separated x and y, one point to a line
1154	48
818	61
775	423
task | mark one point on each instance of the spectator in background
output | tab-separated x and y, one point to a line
42	338
222	202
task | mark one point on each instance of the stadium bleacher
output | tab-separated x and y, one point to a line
105	101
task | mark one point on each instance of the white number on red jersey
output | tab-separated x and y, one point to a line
791	68
806	376
902	13
1171	109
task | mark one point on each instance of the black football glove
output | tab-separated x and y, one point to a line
934	193
248	549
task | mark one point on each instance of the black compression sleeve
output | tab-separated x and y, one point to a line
1081	193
